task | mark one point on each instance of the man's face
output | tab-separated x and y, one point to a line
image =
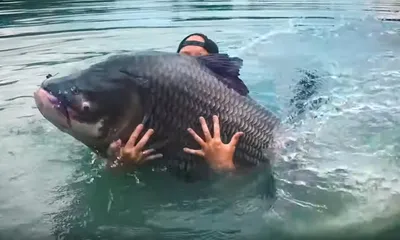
194	50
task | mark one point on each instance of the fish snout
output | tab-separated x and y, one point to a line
42	97
51	108
39	96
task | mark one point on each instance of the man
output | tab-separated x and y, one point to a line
218	155
197	44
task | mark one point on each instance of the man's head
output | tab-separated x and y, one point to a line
197	44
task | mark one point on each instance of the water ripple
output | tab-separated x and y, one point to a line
343	168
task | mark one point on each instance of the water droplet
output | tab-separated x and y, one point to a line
74	90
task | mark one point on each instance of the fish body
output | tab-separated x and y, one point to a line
167	92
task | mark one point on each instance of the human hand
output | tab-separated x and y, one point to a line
218	154
131	153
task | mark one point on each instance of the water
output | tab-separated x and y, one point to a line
340	181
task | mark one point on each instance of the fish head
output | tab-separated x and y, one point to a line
95	107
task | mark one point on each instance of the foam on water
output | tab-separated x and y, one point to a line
347	147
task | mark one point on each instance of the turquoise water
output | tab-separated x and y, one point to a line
340	181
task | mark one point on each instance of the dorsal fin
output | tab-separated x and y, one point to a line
226	69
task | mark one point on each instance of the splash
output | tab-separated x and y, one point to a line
342	175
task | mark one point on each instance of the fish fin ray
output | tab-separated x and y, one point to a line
226	69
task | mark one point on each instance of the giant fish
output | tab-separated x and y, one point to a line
167	92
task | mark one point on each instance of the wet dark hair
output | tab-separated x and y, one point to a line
208	44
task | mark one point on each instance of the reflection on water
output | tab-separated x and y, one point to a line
340	177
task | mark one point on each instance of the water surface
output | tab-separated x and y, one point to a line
341	180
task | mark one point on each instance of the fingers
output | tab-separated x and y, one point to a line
139	157
152	157
235	139
196	137
204	126
144	139
114	148
114	145
147	152
194	152
217	134
134	135
147	155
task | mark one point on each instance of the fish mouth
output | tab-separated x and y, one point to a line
61	107
52	108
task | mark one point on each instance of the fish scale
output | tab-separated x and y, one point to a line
202	94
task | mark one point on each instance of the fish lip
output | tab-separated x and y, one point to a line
57	104
60	106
